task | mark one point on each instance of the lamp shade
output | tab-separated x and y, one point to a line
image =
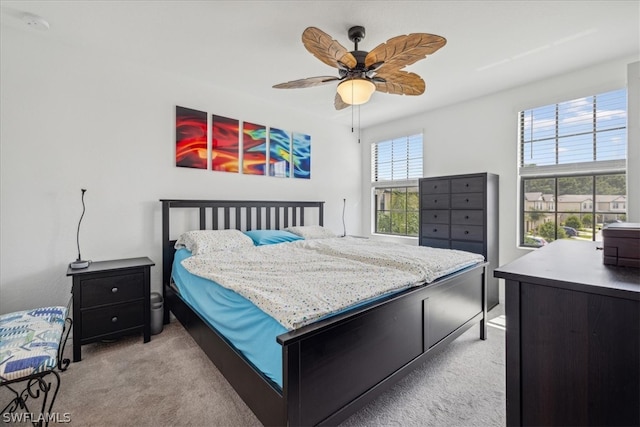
356	91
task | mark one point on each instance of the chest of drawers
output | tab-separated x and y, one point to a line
573	338
110	299
461	212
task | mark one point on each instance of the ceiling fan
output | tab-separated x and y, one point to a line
361	73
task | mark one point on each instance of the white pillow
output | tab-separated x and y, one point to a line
204	241
312	232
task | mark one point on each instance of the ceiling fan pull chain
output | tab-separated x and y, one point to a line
352	111
358	124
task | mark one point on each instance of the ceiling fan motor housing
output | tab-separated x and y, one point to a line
356	34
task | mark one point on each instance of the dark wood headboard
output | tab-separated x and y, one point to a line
244	214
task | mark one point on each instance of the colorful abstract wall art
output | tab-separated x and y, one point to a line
279	152
225	144
301	155
191	138
254	144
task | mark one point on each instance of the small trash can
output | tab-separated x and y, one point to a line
157	313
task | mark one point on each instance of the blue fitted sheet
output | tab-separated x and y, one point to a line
248	328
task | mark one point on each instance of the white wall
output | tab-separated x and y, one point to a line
481	136
73	119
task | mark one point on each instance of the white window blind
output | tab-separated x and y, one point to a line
585	135
397	159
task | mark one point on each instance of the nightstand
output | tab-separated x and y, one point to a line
110	299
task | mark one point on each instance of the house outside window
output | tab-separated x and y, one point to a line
573	156
396	166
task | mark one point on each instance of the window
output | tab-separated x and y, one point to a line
396	166
573	157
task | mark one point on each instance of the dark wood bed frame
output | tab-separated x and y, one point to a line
335	366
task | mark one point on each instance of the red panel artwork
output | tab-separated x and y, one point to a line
191	138
225	141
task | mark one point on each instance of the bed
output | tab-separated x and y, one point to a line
334	366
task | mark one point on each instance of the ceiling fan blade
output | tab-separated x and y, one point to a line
308	82
400	83
326	49
401	51
339	103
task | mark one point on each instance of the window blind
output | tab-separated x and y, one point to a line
585	135
397	159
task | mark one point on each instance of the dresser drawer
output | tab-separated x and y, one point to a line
475	247
435	243
439	231
467	217
105	320
435	216
435	201
112	289
467	201
467	185
440	186
467	232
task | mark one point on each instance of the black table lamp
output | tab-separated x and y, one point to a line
80	263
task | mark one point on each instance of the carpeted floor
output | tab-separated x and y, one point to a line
170	382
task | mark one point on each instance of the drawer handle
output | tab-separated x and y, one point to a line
466	200
114	319
435	200
466	232
435	216
114	290
467	184
435	230
466	217
435	186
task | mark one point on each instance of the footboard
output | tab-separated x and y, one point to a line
333	368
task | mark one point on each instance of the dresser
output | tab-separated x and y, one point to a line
461	212
110	299
573	338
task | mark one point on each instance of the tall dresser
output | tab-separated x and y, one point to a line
461	212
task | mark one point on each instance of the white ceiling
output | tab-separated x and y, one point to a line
252	45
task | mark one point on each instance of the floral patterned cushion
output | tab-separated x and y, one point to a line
29	341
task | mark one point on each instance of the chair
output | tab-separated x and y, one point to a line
31	347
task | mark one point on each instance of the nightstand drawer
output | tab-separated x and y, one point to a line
102	321
112	289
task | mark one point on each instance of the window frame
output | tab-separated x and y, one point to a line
555	213
579	169
405	183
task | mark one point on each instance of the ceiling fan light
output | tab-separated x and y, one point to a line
356	91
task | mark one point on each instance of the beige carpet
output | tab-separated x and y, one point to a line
170	382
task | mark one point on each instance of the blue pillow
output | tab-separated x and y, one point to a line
269	237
